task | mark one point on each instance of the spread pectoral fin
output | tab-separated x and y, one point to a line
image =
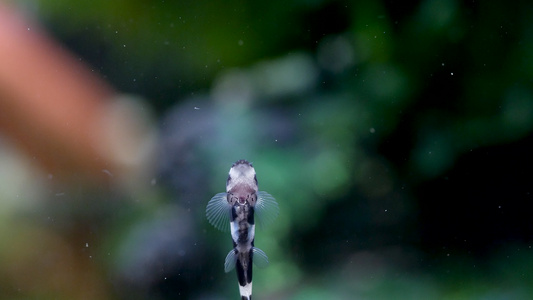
260	258
266	209
218	212
231	261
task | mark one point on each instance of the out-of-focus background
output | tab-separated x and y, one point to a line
397	138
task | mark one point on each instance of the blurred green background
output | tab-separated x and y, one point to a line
395	136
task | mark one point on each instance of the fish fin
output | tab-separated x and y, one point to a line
231	261
218	212
266	209
260	259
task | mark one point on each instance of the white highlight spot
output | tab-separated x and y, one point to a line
107	172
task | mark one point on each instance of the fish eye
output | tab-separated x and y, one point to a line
255	179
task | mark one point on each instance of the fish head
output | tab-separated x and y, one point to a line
242	184
241	176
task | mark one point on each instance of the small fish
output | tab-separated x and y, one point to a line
238	210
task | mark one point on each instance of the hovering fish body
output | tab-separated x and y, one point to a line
238	209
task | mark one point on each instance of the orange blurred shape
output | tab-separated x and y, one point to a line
56	110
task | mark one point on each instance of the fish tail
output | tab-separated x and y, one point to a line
244	275
245	294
